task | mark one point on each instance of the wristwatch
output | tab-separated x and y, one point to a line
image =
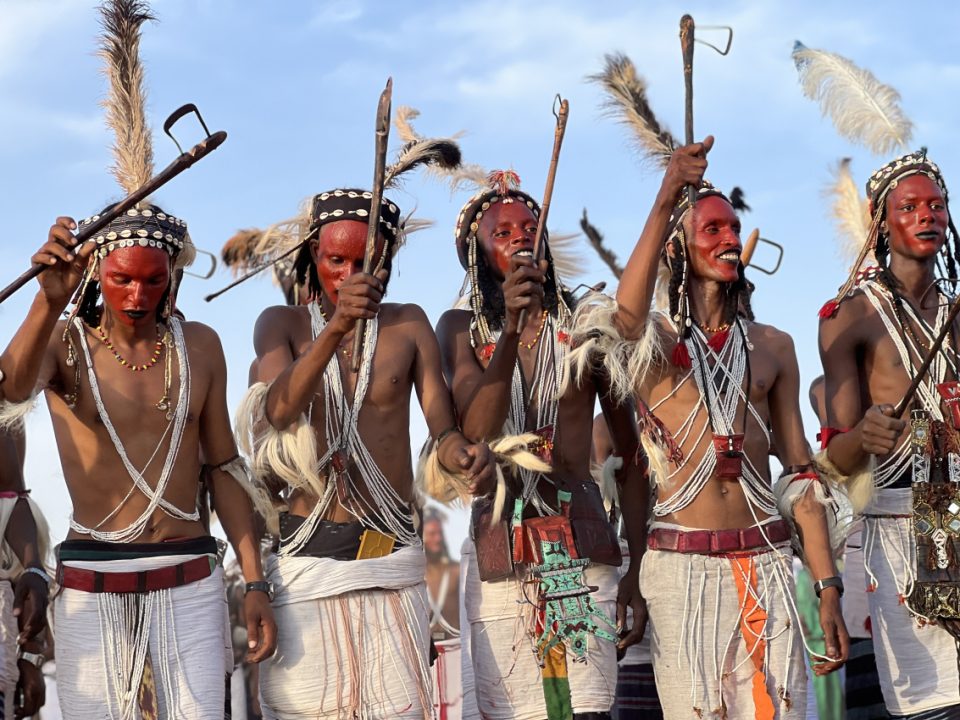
35	659
834	581
263	586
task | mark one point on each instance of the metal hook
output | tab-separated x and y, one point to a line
557	103
209	273
726	50
776	267
177	115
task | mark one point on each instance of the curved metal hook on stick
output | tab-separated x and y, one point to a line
936	283
726	49
746	257
209	273
183	161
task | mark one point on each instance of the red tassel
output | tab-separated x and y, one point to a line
829	309
718	340
486	352
681	356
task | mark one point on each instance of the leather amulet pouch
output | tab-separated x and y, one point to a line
494	559
595	536
554	530
729	449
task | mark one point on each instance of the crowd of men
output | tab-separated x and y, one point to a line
652	539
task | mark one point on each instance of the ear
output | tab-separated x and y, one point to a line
670	249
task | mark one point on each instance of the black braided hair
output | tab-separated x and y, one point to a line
494	307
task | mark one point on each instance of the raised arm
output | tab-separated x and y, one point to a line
635	290
230	500
809	513
24	362
455	452
296	381
875	431
482	395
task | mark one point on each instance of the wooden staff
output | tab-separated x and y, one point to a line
686	46
749	247
562	114
373	226
181	163
925	365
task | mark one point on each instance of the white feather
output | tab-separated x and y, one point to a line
850	212
862	109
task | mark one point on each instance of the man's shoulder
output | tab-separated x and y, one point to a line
198	334
402	312
456	319
769	336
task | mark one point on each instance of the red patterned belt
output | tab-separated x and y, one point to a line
163	578
710	542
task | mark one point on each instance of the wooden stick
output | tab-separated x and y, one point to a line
686	46
925	365
382	129
85	234
749	247
562	114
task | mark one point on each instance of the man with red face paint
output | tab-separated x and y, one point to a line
349	565
136	396
545	525
713	390
902	476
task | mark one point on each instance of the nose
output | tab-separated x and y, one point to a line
137	293
925	215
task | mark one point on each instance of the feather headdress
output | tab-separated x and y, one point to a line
850	213
627	102
862	109
439	154
126	101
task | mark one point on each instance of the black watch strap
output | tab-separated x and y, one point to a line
260	585
835	581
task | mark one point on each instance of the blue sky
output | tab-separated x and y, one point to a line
295	85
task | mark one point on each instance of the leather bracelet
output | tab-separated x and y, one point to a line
263	586
833	581
446	433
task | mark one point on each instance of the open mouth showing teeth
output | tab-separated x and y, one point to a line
731	256
523	253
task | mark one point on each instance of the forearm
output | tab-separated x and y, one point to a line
236	515
845	451
22	359
486	411
21	535
634	484
636	286
811	520
293	390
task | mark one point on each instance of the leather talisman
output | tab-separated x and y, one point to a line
729	449
950	392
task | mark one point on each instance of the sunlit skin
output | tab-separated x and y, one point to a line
505	230
433	537
917	218
133	281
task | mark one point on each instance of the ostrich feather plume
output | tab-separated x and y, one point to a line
862	109
126	100
850	214
627	101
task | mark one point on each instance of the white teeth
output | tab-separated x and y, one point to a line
524	253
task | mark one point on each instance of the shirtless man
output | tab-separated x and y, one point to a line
717	574
24	582
505	380
130	446
873	337
349	567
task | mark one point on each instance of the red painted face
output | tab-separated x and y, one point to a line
505	230
338	254
917	218
714	243
133	281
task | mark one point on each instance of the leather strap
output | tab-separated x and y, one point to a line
716	542
136	582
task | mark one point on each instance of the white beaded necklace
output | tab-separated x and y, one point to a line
892	467
724	369
175	427
344	443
